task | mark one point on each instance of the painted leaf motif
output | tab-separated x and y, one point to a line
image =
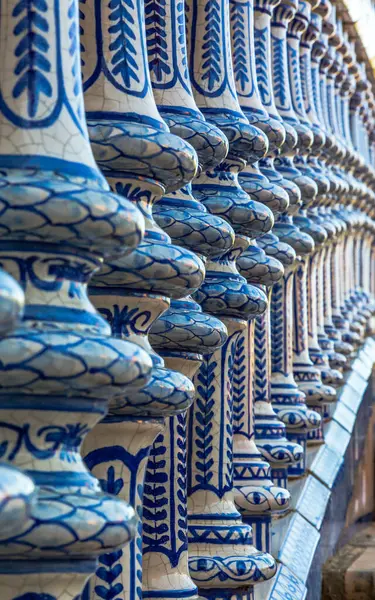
33	66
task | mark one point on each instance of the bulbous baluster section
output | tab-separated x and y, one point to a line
288	400
256	495
226	294
17	490
65	365
217	536
183	334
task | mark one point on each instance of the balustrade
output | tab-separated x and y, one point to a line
187	291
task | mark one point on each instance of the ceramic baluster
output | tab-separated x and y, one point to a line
250	90
320	65
334	80
142	160
183	333
280	452
65	365
221	556
251	178
328	336
219	543
165	528
257	497
255	264
343	86
284	227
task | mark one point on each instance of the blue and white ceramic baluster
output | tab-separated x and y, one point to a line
183	333
221	564
309	94
143	160
60	366
257	268
314	33
333	83
297	20
251	90
309	220
222	560
350	301
270	432
17	490
288	400
341	210
330	148
243	51
284	227
326	70
165	557
253	181
256	495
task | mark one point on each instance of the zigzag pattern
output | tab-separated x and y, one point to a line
304	75
73	48
239	54
294	73
239	386
279	75
157	40
181	38
155	498
121	30
261	382
82	17
300	324
260	37
182	485
228	433
212	51
33	66
204	414
277	327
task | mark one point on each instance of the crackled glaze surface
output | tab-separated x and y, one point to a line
186	279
